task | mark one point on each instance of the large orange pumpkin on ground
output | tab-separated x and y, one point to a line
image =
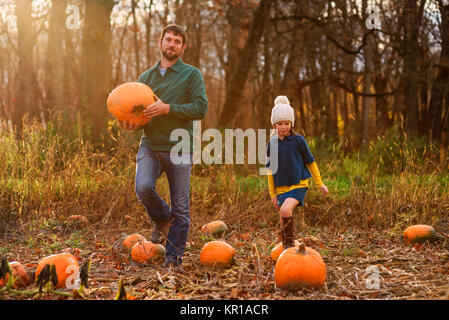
19	272
215	227
128	100
278	249
217	253
66	266
132	239
146	251
419	233
299	267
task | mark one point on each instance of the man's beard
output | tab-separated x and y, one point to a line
172	56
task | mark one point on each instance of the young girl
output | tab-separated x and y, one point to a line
295	165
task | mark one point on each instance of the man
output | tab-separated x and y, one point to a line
181	98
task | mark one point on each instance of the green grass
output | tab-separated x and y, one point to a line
61	170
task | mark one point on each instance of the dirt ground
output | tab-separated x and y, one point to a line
361	264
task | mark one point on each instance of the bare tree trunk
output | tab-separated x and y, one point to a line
72	74
118	66
239	76
366	100
317	105
290	84
148	28
2	84
194	27
11	91
357	121
367	81
345	112
329	109
96	64
166	13
239	27
411	47
27	91
135	37
440	88
180	12
265	104
54	59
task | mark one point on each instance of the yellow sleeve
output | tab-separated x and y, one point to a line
315	173
271	184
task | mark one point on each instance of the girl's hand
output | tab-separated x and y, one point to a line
274	201
324	190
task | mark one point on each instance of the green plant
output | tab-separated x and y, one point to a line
75	240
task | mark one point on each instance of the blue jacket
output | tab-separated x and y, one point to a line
293	155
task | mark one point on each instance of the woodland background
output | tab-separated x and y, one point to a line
372	104
345	81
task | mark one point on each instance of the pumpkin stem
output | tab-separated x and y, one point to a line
301	248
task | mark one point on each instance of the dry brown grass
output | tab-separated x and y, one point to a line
49	176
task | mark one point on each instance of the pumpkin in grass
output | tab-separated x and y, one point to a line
77	219
132	239
299	267
217	253
18	271
146	251
419	233
278	249
66	266
215	227
128	100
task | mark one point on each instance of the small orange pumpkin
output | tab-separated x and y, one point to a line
278	249
66	265
215	227
217	253
132	239
77	221
299	267
419	233
19	272
128	100
146	251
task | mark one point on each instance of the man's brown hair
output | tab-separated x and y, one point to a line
176	30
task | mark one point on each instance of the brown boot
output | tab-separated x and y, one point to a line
288	232
160	231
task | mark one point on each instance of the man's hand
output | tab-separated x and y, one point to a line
128	125
156	109
324	190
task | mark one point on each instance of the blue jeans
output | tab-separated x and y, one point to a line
150	165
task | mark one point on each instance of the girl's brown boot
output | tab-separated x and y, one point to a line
288	232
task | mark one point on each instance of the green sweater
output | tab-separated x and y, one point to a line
183	88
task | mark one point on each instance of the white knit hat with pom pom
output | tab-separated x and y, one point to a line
282	111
